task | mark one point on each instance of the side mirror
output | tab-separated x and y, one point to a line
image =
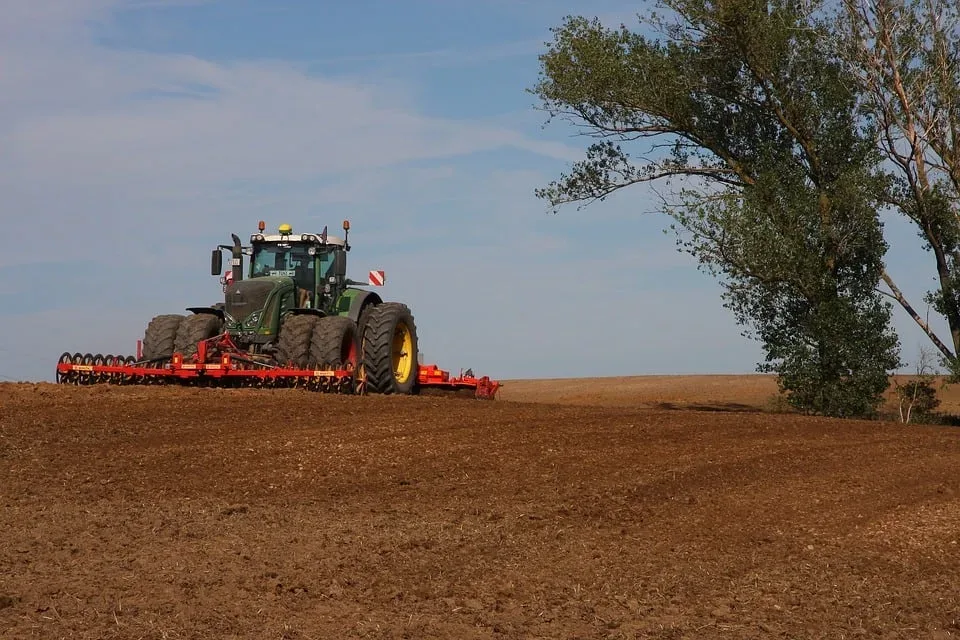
216	262
340	264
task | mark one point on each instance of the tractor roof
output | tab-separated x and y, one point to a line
295	237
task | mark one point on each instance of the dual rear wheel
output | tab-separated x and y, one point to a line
385	354
309	341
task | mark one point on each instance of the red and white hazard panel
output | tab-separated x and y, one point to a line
377	278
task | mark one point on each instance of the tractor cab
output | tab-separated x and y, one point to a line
315	263
287	271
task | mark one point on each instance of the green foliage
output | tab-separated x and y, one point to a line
745	101
824	330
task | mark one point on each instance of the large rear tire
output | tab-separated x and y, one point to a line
389	349
293	347
193	329
334	343
160	336
362	321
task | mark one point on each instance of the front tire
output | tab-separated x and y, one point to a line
193	329
389	349
293	347
160	336
334	343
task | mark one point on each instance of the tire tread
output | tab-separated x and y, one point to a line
294	343
192	330
160	336
326	345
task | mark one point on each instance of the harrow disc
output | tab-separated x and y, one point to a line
129	361
65	358
346	385
96	376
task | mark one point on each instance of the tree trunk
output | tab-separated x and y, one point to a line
946	287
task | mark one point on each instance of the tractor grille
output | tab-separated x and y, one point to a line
246	296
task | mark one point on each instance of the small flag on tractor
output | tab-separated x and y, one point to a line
377	278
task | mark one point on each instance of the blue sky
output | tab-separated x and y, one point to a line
135	135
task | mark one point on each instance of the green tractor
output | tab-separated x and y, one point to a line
296	308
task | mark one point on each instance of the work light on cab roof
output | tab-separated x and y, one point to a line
285	234
291	318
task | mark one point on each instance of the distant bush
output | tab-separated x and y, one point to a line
918	401
918	397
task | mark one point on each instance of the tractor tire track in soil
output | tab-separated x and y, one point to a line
133	512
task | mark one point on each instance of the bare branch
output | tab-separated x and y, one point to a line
899	297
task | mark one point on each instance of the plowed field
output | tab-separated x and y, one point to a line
194	513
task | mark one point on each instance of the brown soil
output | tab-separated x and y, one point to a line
705	392
716	392
147	512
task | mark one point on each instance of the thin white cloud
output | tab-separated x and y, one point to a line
261	121
448	57
94	139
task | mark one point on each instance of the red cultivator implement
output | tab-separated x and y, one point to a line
294	320
219	363
432	377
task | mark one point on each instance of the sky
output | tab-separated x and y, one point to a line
136	135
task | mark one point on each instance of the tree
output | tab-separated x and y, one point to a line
918	397
743	102
906	60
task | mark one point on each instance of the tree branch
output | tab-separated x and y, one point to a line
899	297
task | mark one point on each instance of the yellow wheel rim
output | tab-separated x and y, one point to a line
402	352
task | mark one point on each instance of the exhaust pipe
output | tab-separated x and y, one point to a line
237	261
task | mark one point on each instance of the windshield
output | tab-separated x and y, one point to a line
291	260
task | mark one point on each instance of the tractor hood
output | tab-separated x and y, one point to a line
246	296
